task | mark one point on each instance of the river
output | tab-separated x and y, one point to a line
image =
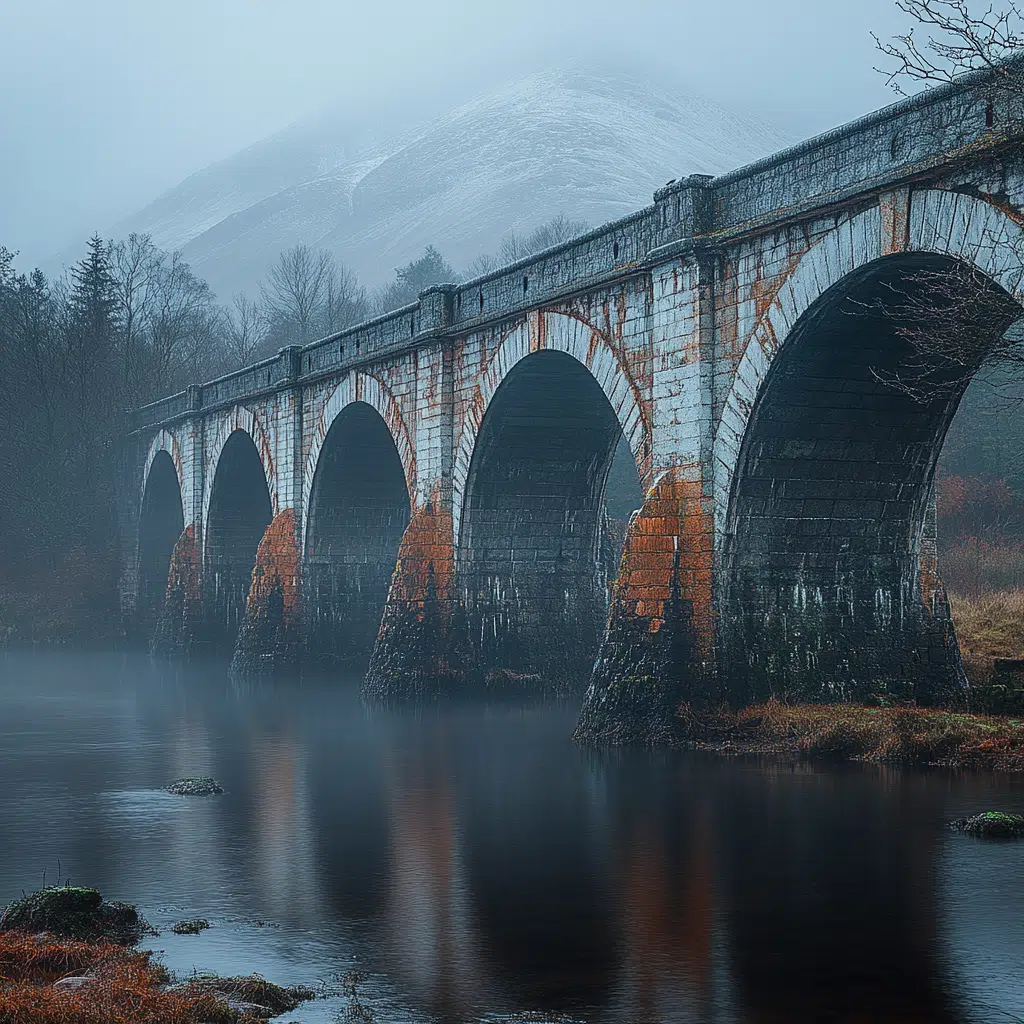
472	863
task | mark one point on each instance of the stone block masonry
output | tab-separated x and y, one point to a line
431	493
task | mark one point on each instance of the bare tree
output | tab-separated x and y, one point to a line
958	41
516	246
245	329
135	263
956	322
295	293
179	317
345	301
554	232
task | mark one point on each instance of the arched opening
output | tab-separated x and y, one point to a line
549	490
240	512
830	588
160	526
359	509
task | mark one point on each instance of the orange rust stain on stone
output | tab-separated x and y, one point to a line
425	570
894	209
183	572
277	568
765	289
668	553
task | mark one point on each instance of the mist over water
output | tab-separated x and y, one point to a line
471	861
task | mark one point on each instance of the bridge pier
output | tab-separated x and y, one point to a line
180	622
658	649
421	650
270	637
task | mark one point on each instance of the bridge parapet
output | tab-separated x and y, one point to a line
163	410
899	142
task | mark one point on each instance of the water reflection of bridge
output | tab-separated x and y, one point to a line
633	889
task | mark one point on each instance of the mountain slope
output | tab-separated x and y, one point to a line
588	145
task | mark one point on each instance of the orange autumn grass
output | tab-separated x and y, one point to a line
893	735
126	986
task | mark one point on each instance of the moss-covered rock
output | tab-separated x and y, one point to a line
991	825
74	912
199	785
191	927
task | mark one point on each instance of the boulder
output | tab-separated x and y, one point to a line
191	927
74	912
991	825
199	785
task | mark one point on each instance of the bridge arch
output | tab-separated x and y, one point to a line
828	589
356	510
166	441
536	552
240	418
161	522
948	223
554	332
240	505
368	389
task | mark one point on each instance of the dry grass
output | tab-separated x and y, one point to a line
974	567
902	735
127	987
989	626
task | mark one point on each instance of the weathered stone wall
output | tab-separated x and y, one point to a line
782	542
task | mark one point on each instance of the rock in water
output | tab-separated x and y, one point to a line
74	912
201	785
191	927
991	825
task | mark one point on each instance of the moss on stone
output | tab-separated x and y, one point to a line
991	825
74	912
193	926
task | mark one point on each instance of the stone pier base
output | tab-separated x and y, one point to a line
421	650
657	653
270	637
181	617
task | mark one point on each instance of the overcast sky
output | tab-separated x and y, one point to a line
105	104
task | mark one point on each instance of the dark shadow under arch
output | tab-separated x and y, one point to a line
160	525
537	549
358	511
829	586
240	512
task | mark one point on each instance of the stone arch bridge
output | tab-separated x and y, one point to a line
665	458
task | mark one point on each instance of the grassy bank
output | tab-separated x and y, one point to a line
50	980
902	735
989	626
65	958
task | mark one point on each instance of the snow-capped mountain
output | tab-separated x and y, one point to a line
589	145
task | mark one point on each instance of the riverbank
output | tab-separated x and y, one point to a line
66	958
841	732
46	979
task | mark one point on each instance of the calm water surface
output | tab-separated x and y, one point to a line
473	863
